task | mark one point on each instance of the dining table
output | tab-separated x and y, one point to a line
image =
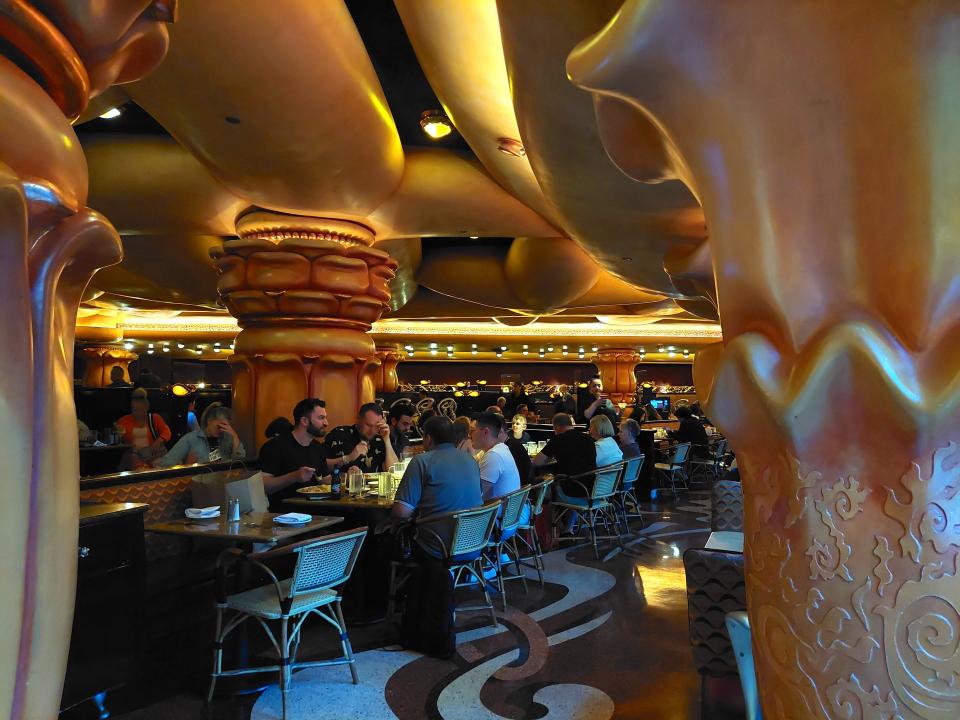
251	528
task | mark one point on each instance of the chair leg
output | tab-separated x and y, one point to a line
483	586
217	654
498	549
592	527
537	554
516	561
284	664
345	643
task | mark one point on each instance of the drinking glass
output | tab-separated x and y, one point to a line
354	481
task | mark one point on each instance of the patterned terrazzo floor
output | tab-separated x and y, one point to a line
604	639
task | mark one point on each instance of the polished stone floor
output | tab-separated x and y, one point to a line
603	639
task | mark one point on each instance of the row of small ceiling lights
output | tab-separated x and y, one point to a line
165	347
670	350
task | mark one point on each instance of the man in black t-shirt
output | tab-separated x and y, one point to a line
295	458
574	451
365	444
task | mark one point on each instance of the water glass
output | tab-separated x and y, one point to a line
355	481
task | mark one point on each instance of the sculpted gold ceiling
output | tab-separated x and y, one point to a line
305	113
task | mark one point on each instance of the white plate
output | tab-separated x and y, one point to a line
287	521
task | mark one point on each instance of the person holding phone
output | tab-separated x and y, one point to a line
365	444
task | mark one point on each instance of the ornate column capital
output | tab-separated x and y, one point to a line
389	357
100	361
305	291
616	367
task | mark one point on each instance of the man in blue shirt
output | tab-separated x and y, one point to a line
440	480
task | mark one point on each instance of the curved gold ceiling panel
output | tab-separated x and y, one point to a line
459	48
408	253
443	193
429	305
476	275
151	185
627	226
548	273
281	102
186	278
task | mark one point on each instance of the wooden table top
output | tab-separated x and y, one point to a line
254	527
370	501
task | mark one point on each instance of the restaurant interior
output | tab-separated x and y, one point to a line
576	360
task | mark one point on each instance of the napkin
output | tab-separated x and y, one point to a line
200	513
293	518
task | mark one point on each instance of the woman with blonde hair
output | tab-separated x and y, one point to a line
461	434
601	430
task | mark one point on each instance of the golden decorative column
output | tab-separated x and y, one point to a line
305	292
55	57
101	359
824	147
617	373
386	376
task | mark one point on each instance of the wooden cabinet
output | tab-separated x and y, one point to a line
107	622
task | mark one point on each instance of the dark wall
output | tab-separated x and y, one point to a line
558	373
440	373
172	370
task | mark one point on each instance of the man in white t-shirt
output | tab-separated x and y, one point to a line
498	470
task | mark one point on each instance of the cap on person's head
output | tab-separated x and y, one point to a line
278	426
562	420
491	420
439	429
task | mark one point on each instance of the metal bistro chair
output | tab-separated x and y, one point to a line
527	532
463	553
711	466
597	505
675	467
505	540
323	564
631	474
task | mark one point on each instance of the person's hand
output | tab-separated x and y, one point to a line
226	427
306	474
358	451
383	429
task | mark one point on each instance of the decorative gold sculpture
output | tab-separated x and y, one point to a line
50	245
617	373
821	139
386	379
305	291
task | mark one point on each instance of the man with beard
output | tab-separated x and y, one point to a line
365	444
295	458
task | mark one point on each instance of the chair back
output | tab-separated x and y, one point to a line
326	562
538	494
513	509
631	472
680	453
472	529
606	481
726	507
715	586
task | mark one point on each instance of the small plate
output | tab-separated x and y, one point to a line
314	490
284	521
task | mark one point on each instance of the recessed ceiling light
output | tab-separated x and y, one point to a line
111	114
128	346
435	124
509	146
474	237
